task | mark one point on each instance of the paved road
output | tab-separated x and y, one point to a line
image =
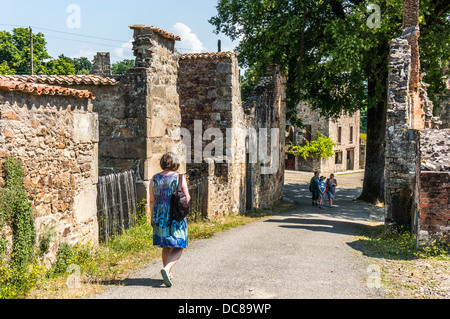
304	253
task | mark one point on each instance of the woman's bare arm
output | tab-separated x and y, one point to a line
186	189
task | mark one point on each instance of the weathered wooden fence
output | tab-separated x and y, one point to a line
198	189
116	204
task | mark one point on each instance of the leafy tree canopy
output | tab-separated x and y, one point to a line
15	56
121	67
341	52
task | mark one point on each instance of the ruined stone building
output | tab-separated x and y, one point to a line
69	130
417	164
344	131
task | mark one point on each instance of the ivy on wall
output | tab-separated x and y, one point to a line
16	211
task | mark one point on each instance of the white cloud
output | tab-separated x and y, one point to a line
125	51
85	52
189	41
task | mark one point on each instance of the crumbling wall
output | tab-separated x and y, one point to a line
265	111
434	218
209	88
56	138
402	150
417	160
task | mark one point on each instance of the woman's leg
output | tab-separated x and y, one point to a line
166	251
173	258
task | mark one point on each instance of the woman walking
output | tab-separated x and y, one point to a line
331	184
170	235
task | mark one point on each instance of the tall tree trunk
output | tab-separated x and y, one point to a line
373	186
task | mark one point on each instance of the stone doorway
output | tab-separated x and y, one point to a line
350	159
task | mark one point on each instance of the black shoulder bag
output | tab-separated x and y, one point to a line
179	206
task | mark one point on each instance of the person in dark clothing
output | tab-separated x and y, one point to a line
314	186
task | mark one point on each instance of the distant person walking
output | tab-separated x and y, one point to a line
170	235
322	188
314	188
331	184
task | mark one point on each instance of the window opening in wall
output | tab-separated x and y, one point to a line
339	134
351	133
338	158
308	133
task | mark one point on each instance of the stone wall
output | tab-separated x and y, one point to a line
102	64
265	111
402	146
56	138
434	218
417	160
209	87
150	92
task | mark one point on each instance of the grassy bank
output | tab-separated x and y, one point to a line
407	271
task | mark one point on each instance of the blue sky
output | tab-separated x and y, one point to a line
110	20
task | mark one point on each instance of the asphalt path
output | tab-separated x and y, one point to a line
304	253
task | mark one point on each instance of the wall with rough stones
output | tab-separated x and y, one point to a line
434	218
402	146
417	160
151	91
139	114
209	88
434	189
265	109
56	138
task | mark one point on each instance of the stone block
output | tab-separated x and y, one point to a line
9	115
85	205
156	127
85	127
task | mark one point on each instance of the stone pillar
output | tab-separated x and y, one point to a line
411	32
402	149
102	64
152	95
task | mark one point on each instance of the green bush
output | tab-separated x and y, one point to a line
322	147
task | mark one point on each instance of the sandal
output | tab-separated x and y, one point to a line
166	278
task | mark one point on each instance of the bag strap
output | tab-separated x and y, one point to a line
180	182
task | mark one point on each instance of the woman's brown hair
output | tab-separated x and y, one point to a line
170	162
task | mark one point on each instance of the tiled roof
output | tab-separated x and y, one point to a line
156	30
209	55
63	79
42	89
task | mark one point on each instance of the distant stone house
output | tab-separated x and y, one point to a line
344	131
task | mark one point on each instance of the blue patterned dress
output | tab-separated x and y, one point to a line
165	232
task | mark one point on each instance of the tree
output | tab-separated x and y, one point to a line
5	69
121	67
61	66
345	59
15	50
82	65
